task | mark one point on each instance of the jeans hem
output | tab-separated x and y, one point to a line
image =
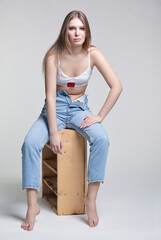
31	187
89	181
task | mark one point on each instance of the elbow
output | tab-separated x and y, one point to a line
121	89
51	96
50	99
118	89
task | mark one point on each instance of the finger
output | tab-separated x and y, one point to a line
87	118
81	125
88	124
59	149
61	145
84	125
54	149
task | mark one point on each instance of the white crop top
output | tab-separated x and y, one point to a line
81	80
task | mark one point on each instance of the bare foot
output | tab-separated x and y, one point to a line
91	211
31	214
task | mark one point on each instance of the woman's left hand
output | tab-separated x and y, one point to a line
89	120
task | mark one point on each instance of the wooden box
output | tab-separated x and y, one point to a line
64	176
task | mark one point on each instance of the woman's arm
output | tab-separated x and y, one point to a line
50	91
112	80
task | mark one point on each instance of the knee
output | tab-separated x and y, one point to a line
102	137
29	143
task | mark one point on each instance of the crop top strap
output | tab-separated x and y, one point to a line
58	60
89	57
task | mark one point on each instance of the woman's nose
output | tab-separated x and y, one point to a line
77	32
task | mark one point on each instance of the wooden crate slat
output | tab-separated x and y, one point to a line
52	201
50	163
64	180
51	183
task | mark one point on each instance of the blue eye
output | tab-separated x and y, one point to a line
70	28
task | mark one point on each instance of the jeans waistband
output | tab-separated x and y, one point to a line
63	92
80	102
80	99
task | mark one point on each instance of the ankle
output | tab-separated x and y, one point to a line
32	205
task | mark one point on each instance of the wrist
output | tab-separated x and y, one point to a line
52	133
101	118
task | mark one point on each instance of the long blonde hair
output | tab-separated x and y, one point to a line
62	43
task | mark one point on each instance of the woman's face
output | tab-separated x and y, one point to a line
76	32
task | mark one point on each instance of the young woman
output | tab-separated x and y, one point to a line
68	65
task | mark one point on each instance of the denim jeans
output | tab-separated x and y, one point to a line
69	114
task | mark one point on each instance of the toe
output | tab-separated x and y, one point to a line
30	227
91	224
96	222
24	226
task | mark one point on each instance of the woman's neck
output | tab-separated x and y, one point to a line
75	51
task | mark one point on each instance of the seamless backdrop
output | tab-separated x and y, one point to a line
128	34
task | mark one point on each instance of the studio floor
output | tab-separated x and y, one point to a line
127	216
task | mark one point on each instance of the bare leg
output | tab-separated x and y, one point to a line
90	202
33	209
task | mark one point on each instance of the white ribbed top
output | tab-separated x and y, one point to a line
81	80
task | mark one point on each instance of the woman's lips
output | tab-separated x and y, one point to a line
77	39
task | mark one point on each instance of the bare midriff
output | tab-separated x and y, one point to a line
73	92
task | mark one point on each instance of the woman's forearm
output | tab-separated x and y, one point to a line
110	102
51	115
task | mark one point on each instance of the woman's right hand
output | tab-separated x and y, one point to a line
56	143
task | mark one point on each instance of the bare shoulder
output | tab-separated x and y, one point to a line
52	58
50	67
96	56
93	49
103	66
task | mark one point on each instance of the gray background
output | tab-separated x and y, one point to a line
128	34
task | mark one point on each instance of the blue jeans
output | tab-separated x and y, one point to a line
69	114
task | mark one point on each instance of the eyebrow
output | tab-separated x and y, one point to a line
74	26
